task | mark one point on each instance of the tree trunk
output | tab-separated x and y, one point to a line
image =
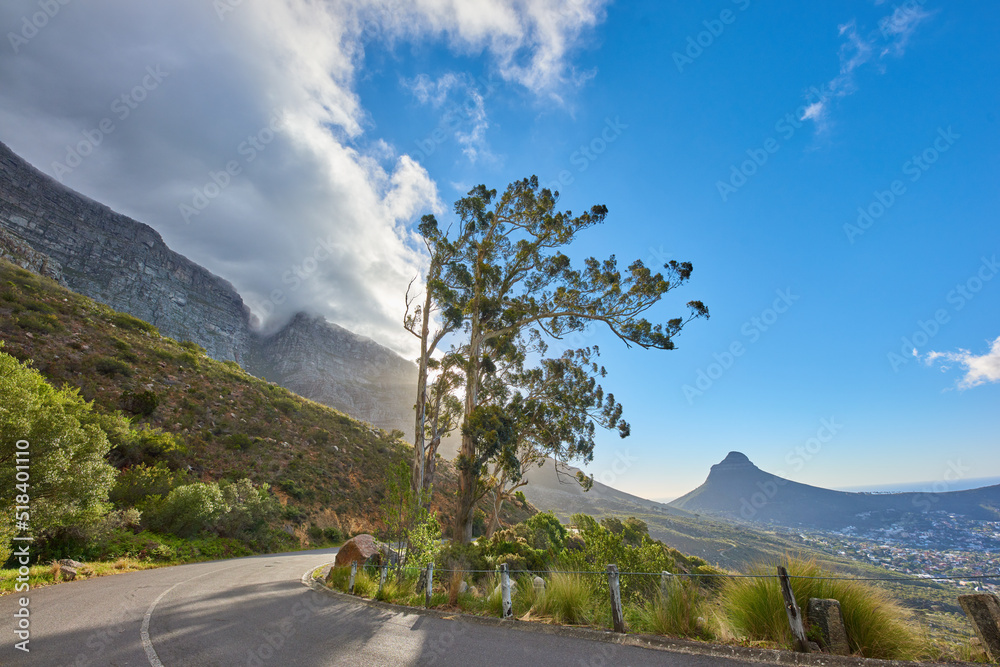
494	523
417	477
467	479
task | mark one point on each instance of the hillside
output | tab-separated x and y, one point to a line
126	265
328	469
737	489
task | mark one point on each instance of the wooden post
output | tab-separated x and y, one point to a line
666	583
794	613
430	583
381	578
617	618
508	608
983	610
354	571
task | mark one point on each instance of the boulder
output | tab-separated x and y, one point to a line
983	609
539	585
463	587
826	616
359	549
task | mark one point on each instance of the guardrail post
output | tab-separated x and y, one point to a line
354	571
508	608
430	583
381	578
617	618
793	611
983	610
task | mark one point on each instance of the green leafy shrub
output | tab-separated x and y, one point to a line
126	321
39	323
70	478
140	403
111	367
188	510
148	446
286	406
138	483
239	441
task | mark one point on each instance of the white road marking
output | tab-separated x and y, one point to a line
147	645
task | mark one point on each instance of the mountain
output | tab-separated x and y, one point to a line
126	265
737	489
329	364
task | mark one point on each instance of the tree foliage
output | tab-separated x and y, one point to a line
69	478
504	282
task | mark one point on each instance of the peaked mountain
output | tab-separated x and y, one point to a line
737	489
126	265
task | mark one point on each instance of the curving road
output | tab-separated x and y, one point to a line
256	611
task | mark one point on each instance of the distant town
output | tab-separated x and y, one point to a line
930	545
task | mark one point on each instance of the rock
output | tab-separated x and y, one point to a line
475	591
69	562
983	610
463	587
359	549
825	615
539	585
68	573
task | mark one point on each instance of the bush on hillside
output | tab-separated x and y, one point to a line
69	478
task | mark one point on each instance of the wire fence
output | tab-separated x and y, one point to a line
913	579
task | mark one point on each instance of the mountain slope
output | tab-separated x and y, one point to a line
737	489
126	265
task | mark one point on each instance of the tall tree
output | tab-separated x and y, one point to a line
520	278
441	302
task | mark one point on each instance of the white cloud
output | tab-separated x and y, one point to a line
899	26
981	369
321	181
856	50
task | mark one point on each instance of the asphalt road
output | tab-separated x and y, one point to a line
256	611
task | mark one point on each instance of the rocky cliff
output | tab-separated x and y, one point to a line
125	264
120	262
333	366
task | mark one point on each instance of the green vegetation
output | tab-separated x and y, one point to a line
156	426
876	626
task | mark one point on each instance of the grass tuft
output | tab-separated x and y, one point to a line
876	626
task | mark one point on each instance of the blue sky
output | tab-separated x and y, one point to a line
741	136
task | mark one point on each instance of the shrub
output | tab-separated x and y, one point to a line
875	624
149	446
111	367
238	441
39	323
137	483
70	478
126	321
188	510
286	406
141	403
